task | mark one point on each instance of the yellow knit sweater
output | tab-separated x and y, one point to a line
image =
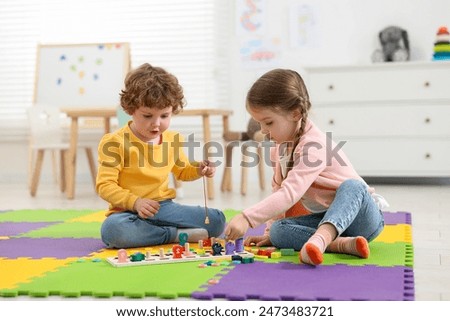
130	168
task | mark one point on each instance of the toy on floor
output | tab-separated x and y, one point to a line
442	45
180	254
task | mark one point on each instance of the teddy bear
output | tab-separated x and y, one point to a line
395	45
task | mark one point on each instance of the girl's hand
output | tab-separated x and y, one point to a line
262	240
236	228
206	168
146	208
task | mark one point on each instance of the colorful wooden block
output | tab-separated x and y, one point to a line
207	242
247	260
177	251
174	257
275	255
136	257
287	252
229	248
183	238
239	245
217	249
122	256
200	251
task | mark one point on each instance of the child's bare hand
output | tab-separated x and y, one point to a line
146	208
236	228
262	240
206	168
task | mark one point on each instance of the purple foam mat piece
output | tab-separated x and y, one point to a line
393	218
252	231
37	248
390	218
255	231
15	228
288	281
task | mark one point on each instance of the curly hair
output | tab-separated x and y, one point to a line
150	86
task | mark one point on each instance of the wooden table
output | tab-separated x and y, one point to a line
75	114
108	113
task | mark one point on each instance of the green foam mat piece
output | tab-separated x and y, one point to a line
29	215
230	213
381	254
101	280
168	281
71	230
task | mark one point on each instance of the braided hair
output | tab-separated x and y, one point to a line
282	90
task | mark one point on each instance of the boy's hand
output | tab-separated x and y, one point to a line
236	228
146	208
206	168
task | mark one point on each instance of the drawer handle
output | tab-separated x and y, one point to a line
331	122
427	155
427	120
330	87
427	84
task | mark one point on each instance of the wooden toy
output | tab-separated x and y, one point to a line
287	252
239	244
229	247
217	248
122	255
275	255
206	242
177	251
183	237
136	257
167	258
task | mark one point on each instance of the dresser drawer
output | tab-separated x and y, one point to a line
399	157
384	120
379	82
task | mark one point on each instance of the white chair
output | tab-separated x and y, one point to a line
245	143
227	183
46	134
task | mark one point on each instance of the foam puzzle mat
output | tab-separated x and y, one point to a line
45	253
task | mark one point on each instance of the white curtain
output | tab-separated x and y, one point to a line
186	37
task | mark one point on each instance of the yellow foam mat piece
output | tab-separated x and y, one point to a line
93	217
23	270
396	233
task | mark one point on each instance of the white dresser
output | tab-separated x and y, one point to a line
394	117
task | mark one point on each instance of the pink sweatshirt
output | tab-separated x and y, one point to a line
320	166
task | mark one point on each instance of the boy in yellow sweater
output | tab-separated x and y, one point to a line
135	164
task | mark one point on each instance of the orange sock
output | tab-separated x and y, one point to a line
311	254
357	246
312	251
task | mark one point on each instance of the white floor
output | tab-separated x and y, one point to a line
429	205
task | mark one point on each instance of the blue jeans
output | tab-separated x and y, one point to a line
353	212
127	229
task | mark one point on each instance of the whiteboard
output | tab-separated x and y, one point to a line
81	75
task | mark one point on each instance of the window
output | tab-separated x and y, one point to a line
186	37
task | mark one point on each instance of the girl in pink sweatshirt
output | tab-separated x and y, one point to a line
311	172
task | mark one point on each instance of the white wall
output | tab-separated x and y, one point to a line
348	34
